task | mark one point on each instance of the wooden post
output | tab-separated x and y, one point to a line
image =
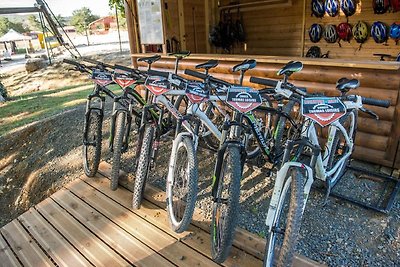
207	23
303	30
130	11
182	33
164	45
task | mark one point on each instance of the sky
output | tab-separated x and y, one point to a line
64	7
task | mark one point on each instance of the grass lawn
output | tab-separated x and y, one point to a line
35	106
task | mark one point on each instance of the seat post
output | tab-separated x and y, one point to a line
176	64
241	76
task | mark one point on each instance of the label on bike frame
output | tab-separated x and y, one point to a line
243	99
157	85
123	79
196	92
323	110
102	78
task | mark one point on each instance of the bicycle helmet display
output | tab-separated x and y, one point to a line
332	7
380	6
314	52
379	32
344	31
315	33
317	8
360	32
394	32
395	5
348	7
330	33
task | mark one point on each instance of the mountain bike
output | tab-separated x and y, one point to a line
294	178
94	114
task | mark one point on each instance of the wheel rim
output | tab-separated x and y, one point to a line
179	188
91	145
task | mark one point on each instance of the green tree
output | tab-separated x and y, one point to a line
61	20
34	23
6	25
81	19
119	4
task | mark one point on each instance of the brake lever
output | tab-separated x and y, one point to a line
370	112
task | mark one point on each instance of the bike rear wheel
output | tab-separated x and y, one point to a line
142	169
182	192
120	128
284	233
92	144
226	205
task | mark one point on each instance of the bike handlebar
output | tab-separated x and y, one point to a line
370	101
204	76
263	81
158	73
127	69
71	62
98	63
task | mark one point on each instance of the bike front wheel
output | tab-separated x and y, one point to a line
284	233
120	126
226	205
92	143
143	166
182	191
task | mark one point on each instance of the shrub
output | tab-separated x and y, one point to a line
3	91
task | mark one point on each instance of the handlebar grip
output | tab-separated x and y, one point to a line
71	62
195	74
158	73
376	102
266	82
124	68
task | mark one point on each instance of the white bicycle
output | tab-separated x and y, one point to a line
294	179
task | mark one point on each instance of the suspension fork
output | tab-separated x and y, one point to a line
89	109
158	134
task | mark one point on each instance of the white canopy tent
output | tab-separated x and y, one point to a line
12	36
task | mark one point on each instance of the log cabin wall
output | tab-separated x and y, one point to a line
377	140
351	49
195	30
275	31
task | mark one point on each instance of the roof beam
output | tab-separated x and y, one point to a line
14	10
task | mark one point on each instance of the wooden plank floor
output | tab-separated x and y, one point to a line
87	224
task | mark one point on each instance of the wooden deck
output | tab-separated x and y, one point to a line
87	224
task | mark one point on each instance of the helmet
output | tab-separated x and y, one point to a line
395	31
379	32
332	7
315	33
317	8
330	33
314	52
344	31
380	6
348	7
360	32
395	5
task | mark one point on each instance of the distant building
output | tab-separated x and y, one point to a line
103	25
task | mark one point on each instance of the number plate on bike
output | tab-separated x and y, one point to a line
123	79
157	85
196	92
243	99
101	77
323	110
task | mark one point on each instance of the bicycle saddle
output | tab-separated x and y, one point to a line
150	60
180	54
245	65
344	84
208	65
291	67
